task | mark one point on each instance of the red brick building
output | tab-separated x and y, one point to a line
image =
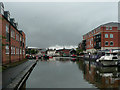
104	37
63	52
13	40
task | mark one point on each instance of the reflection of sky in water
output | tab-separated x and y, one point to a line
57	74
64	73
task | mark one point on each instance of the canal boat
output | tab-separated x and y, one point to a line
109	59
45	57
73	56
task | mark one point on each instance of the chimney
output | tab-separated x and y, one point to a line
20	30
12	20
1	8
16	25
7	15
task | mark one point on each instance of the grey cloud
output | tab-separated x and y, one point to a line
47	24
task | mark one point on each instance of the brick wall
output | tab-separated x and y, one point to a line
7	58
89	37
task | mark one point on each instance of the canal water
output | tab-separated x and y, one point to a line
71	73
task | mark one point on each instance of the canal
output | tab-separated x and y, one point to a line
66	73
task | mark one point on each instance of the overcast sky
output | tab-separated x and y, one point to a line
48	24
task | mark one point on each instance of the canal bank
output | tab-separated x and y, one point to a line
14	77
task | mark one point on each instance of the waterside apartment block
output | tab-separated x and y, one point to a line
104	37
13	40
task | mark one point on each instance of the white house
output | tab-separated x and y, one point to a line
51	52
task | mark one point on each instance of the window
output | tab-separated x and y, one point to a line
17	37
106	43
20	51
110	28
92	45
111	43
7	49
7	32
92	39
23	52
90	42
7	28
20	38
111	35
106	35
13	50
12	33
107	28
23	40
99	43
17	50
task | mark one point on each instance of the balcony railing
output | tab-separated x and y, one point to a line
97	46
97	40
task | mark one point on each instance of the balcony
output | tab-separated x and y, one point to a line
84	42
97	38
97	46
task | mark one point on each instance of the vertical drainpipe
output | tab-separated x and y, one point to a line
22	47
9	43
19	47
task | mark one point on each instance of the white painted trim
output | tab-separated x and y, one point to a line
113	43
103	48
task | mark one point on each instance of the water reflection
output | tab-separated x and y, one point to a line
100	77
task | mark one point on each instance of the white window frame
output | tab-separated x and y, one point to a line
17	37
11	50
20	51
107	28
23	40
20	38
105	43
105	35
7	49
7	28
23	52
14	50
110	28
17	51
110	35
99	43
110	43
12	33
